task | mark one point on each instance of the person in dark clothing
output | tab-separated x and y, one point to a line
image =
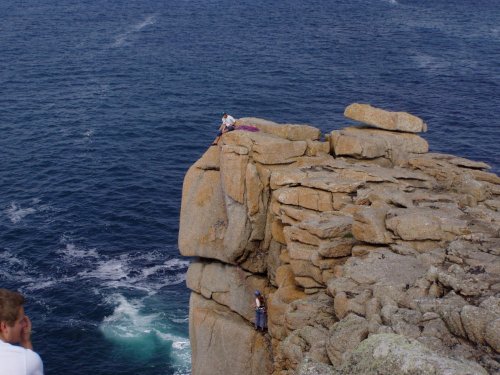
260	312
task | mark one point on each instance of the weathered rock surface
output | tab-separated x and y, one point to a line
398	355
223	343
375	257
363	143
382	119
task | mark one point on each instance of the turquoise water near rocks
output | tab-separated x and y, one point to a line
104	106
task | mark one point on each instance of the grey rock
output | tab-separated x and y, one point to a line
398	355
344	336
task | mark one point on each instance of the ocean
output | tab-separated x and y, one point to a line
105	105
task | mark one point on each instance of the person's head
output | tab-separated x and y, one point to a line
12	319
224	115
257	293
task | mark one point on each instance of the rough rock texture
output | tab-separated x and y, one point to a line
375	256
398	355
379	118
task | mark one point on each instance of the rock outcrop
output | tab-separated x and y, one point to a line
375	256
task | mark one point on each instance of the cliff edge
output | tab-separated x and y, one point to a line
375	256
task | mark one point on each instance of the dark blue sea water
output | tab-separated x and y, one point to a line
104	105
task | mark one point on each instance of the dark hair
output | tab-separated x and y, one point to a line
10	303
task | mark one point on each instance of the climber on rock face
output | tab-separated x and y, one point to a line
260	312
227	125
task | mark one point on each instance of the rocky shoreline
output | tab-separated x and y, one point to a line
375	256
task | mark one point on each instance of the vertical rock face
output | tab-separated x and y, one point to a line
371	252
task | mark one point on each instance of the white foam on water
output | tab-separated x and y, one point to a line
10	260
71	252
430	63
128	270
107	270
88	133
150	20
123	39
169	265
15	213
126	321
138	332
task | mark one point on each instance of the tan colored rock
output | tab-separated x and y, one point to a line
267	148
224	343
425	224
292	132
379	118
301	251
369	225
203	219
327	225
277	230
327	263
372	143
254	189
461	162
294	233
296	215
336	248
315	148
312	199
467	184
227	285
233	170
210	160
323	177
303	268
310	285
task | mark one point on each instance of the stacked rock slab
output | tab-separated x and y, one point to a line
374	255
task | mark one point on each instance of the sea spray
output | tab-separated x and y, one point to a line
143	335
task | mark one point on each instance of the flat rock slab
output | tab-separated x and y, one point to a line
384	267
292	132
373	143
379	118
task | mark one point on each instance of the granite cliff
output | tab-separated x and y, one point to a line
375	256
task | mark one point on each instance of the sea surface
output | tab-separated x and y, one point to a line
105	104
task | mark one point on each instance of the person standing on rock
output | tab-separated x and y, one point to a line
227	125
16	350
260	312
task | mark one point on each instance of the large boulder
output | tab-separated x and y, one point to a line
345	336
203	218
379	118
373	143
